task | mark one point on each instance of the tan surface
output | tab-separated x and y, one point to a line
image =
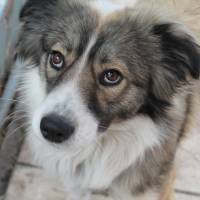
188	172
30	184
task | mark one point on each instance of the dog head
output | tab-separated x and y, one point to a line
89	71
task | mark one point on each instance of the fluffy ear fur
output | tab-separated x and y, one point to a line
180	58
34	7
35	15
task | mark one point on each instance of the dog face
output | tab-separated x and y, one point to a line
88	72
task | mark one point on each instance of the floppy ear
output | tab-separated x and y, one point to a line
35	7
180	58
36	16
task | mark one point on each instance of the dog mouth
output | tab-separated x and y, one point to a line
104	125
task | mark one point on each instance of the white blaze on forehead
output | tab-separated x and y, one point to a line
109	6
82	62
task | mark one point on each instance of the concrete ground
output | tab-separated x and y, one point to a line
29	182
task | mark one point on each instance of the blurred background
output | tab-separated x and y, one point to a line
9	146
20	178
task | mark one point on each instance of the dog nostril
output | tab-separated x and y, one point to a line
56	128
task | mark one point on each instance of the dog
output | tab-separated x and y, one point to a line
109	90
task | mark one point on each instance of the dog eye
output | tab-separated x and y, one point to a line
110	77
56	60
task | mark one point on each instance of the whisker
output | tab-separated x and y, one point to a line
12	115
12	100
18	119
8	135
16	112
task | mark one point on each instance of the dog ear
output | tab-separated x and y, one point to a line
35	15
35	7
180	58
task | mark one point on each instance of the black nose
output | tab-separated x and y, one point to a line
56	128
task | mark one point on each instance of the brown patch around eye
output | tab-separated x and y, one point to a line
108	94
69	57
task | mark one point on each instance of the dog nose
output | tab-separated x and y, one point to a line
56	128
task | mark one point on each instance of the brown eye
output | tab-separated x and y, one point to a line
110	78
56	60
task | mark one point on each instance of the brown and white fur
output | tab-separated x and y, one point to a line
125	135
